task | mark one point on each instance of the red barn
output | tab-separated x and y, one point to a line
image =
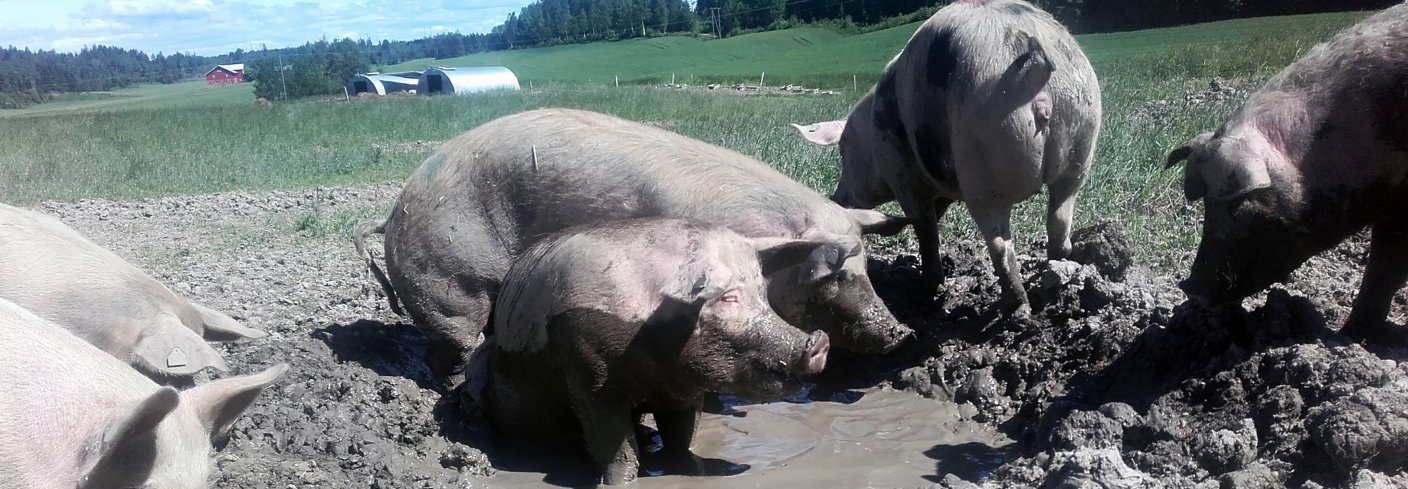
225	74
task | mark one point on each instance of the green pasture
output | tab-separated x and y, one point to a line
181	139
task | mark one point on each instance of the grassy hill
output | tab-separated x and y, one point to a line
149	96
808	56
639	60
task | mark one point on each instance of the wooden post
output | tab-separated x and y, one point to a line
345	96
760	80
855	86
618	81
672	78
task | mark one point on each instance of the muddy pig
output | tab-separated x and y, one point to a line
489	194
595	325
989	101
75	417
1317	154
52	270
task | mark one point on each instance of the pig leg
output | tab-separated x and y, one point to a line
1060	210
1386	272
926	212
995	224
677	432
608	426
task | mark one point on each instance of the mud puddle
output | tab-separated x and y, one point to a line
852	438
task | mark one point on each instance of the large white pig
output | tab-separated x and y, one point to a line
72	416
52	270
1317	154
989	101
491	193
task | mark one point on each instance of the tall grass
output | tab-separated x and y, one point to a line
1146	77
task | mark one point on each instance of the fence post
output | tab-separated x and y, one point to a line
855	86
760	79
618	81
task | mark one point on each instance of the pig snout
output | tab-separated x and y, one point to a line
814	356
876	331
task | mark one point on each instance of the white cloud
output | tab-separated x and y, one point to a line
219	26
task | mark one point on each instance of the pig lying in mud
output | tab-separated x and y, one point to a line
990	100
50	269
489	194
75	417
1317	154
597	324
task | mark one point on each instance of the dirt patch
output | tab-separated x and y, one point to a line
1113	382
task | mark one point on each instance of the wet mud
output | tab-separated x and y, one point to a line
1113	381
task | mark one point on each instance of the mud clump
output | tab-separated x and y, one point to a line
1105	246
1294	407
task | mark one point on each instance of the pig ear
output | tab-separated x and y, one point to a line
171	348
872	222
820	258
1193	186
219	327
1182	152
132	431
693	285
776	254
219	403
823	133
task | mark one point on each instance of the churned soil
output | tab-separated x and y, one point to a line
1113	381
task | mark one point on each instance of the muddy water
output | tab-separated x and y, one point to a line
865	438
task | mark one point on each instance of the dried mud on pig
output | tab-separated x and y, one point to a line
1112	383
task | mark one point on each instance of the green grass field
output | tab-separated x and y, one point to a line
161	140
150	96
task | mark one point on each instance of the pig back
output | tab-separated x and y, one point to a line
529	174
617	271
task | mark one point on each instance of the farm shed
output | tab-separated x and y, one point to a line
382	84
466	80
225	74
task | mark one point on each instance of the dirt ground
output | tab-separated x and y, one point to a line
1113	382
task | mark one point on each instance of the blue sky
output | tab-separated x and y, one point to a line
219	26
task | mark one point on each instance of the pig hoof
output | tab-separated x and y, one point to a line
684	463
1014	308
1383	334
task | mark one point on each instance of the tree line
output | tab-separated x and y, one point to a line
322	67
27	77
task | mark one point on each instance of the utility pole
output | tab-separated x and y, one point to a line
714	11
282	82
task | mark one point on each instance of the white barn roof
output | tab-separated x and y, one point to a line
465	80
232	68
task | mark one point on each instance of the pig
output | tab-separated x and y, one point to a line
75	417
990	100
600	323
1318	153
52	270
482	198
